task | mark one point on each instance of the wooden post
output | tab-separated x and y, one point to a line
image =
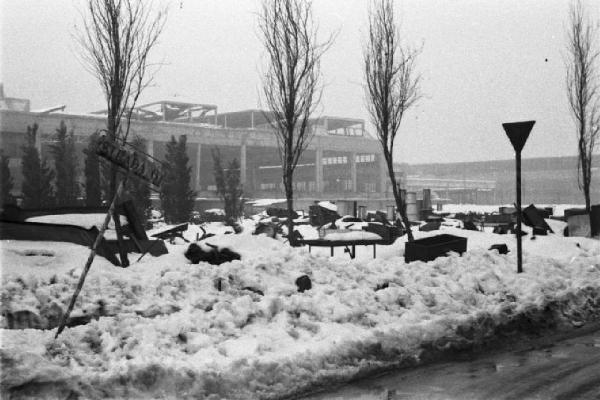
120	242
243	165
198	174
519	234
318	169
90	259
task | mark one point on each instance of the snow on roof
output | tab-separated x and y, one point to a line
82	220
265	202
328	205
218	211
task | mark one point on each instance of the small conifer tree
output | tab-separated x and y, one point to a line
176	195
6	181
229	186
138	188
93	182
37	176
65	165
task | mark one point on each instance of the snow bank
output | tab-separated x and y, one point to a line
83	220
165	329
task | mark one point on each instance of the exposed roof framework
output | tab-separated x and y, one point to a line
174	111
195	113
325	125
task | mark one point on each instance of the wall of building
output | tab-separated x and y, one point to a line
548	180
333	167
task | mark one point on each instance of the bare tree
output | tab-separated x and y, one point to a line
583	82
291	82
116	38
392	86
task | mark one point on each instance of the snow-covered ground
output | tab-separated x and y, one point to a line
166	331
83	220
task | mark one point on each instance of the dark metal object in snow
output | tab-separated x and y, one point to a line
501	247
517	133
303	283
430	226
348	245
430	248
470	226
172	233
534	218
214	255
267	228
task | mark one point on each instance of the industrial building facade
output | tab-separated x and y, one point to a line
341	161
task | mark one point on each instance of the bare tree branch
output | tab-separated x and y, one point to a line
291	82
583	94
116	39
392	86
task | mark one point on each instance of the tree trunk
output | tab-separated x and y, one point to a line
289	196
400	202
112	135
588	201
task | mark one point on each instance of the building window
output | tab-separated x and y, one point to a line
335	160
267	186
365	158
212	188
312	187
369	187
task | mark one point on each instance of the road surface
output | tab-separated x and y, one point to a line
568	369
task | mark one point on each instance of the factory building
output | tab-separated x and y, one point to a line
341	163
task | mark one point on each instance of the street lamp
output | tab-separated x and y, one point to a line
517	133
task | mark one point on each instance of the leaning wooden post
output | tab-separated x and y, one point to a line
90	259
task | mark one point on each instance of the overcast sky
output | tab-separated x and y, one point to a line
483	62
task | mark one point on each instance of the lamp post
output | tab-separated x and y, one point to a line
517	133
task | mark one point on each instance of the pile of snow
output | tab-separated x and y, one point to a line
166	330
82	220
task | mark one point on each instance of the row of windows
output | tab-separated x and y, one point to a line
301	186
335	160
347	132
360	158
310	186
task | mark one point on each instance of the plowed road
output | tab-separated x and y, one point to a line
567	369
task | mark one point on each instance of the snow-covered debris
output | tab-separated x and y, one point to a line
328	205
265	202
205	252
242	330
